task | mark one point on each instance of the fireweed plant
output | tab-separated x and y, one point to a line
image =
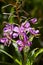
21	36
24	34
11	32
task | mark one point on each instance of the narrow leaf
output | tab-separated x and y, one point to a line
6	53
16	60
19	62
38	52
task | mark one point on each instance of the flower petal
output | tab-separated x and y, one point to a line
4	40
16	29
20	43
34	20
25	37
37	31
32	31
26	24
20	48
15	35
29	43
22	29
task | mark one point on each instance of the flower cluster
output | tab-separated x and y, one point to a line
20	32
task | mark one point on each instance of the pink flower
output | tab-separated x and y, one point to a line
22	43
33	20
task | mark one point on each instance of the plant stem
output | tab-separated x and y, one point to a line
17	11
24	58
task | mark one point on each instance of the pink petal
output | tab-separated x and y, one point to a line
29	43
20	43
15	35
16	29
34	20
20	48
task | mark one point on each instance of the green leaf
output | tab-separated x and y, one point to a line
16	60
33	54
12	10
38	52
11	19
28	62
5	63
31	57
15	45
6	53
11	16
19	62
31	38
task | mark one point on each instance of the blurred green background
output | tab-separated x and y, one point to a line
31	9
